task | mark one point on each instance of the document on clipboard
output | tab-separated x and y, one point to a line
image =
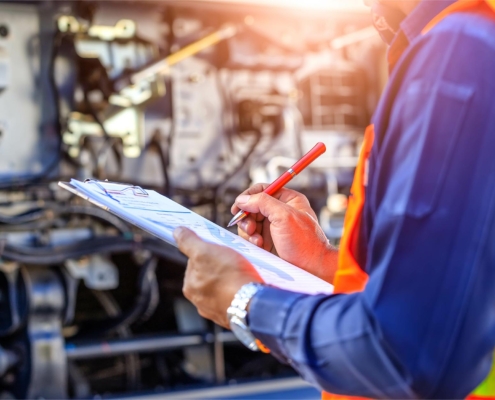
159	216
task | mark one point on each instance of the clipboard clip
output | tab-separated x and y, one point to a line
136	190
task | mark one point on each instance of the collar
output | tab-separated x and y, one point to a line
412	25
417	20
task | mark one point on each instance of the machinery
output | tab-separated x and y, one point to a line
195	99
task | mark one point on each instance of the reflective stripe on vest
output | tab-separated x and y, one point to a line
350	277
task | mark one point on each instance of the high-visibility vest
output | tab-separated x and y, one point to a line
350	277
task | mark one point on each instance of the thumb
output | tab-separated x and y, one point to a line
187	240
264	204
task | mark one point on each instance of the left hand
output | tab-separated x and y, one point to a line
213	276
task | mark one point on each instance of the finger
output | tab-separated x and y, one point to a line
257	240
247	237
259	227
267	239
264	204
259	188
187	241
248	225
186	284
244	235
253	238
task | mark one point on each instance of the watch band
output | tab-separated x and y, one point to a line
244	295
237	314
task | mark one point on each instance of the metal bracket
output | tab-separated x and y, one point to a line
126	124
97	272
123	29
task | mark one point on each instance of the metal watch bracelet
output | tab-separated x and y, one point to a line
237	314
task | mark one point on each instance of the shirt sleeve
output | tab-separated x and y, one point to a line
424	327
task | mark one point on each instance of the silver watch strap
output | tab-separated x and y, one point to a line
243	297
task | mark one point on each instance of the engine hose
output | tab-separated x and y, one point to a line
144	305
50	213
53	255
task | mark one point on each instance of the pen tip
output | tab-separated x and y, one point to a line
237	218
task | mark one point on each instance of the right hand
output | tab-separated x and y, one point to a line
287	224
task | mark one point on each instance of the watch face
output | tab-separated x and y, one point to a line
241	331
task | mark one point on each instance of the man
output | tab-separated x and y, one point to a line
416	267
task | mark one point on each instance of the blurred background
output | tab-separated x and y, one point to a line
197	100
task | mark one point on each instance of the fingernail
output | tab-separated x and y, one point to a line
177	232
242	199
243	225
253	240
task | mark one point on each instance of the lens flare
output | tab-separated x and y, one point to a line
343	5
325	4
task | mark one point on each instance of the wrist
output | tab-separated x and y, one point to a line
237	314
329	263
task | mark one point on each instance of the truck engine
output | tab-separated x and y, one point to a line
197	100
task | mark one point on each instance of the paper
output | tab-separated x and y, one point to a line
160	216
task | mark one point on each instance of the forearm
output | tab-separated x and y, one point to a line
333	342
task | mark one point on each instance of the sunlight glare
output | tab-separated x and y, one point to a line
326	4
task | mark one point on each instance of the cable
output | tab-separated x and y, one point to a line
144	305
53	255
239	167
164	161
132	364
50	213
109	141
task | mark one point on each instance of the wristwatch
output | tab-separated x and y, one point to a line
237	314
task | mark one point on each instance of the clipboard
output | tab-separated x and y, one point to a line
137	190
159	216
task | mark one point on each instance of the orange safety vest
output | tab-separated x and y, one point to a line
350	277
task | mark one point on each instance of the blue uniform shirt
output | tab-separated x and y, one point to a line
425	324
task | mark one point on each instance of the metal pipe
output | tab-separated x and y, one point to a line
163	66
117	347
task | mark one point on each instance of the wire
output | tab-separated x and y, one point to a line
144	305
109	141
164	161
53	255
234	172
55	210
132	364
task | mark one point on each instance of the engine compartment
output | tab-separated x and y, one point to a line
195	99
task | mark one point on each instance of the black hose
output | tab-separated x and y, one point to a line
52	255
49	213
164	161
235	171
109	141
145	297
144	305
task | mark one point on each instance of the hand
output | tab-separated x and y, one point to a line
214	275
286	223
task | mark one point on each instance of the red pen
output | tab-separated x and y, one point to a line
286	177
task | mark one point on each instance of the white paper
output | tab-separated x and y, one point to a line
159	216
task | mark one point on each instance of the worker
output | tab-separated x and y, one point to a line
413	314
